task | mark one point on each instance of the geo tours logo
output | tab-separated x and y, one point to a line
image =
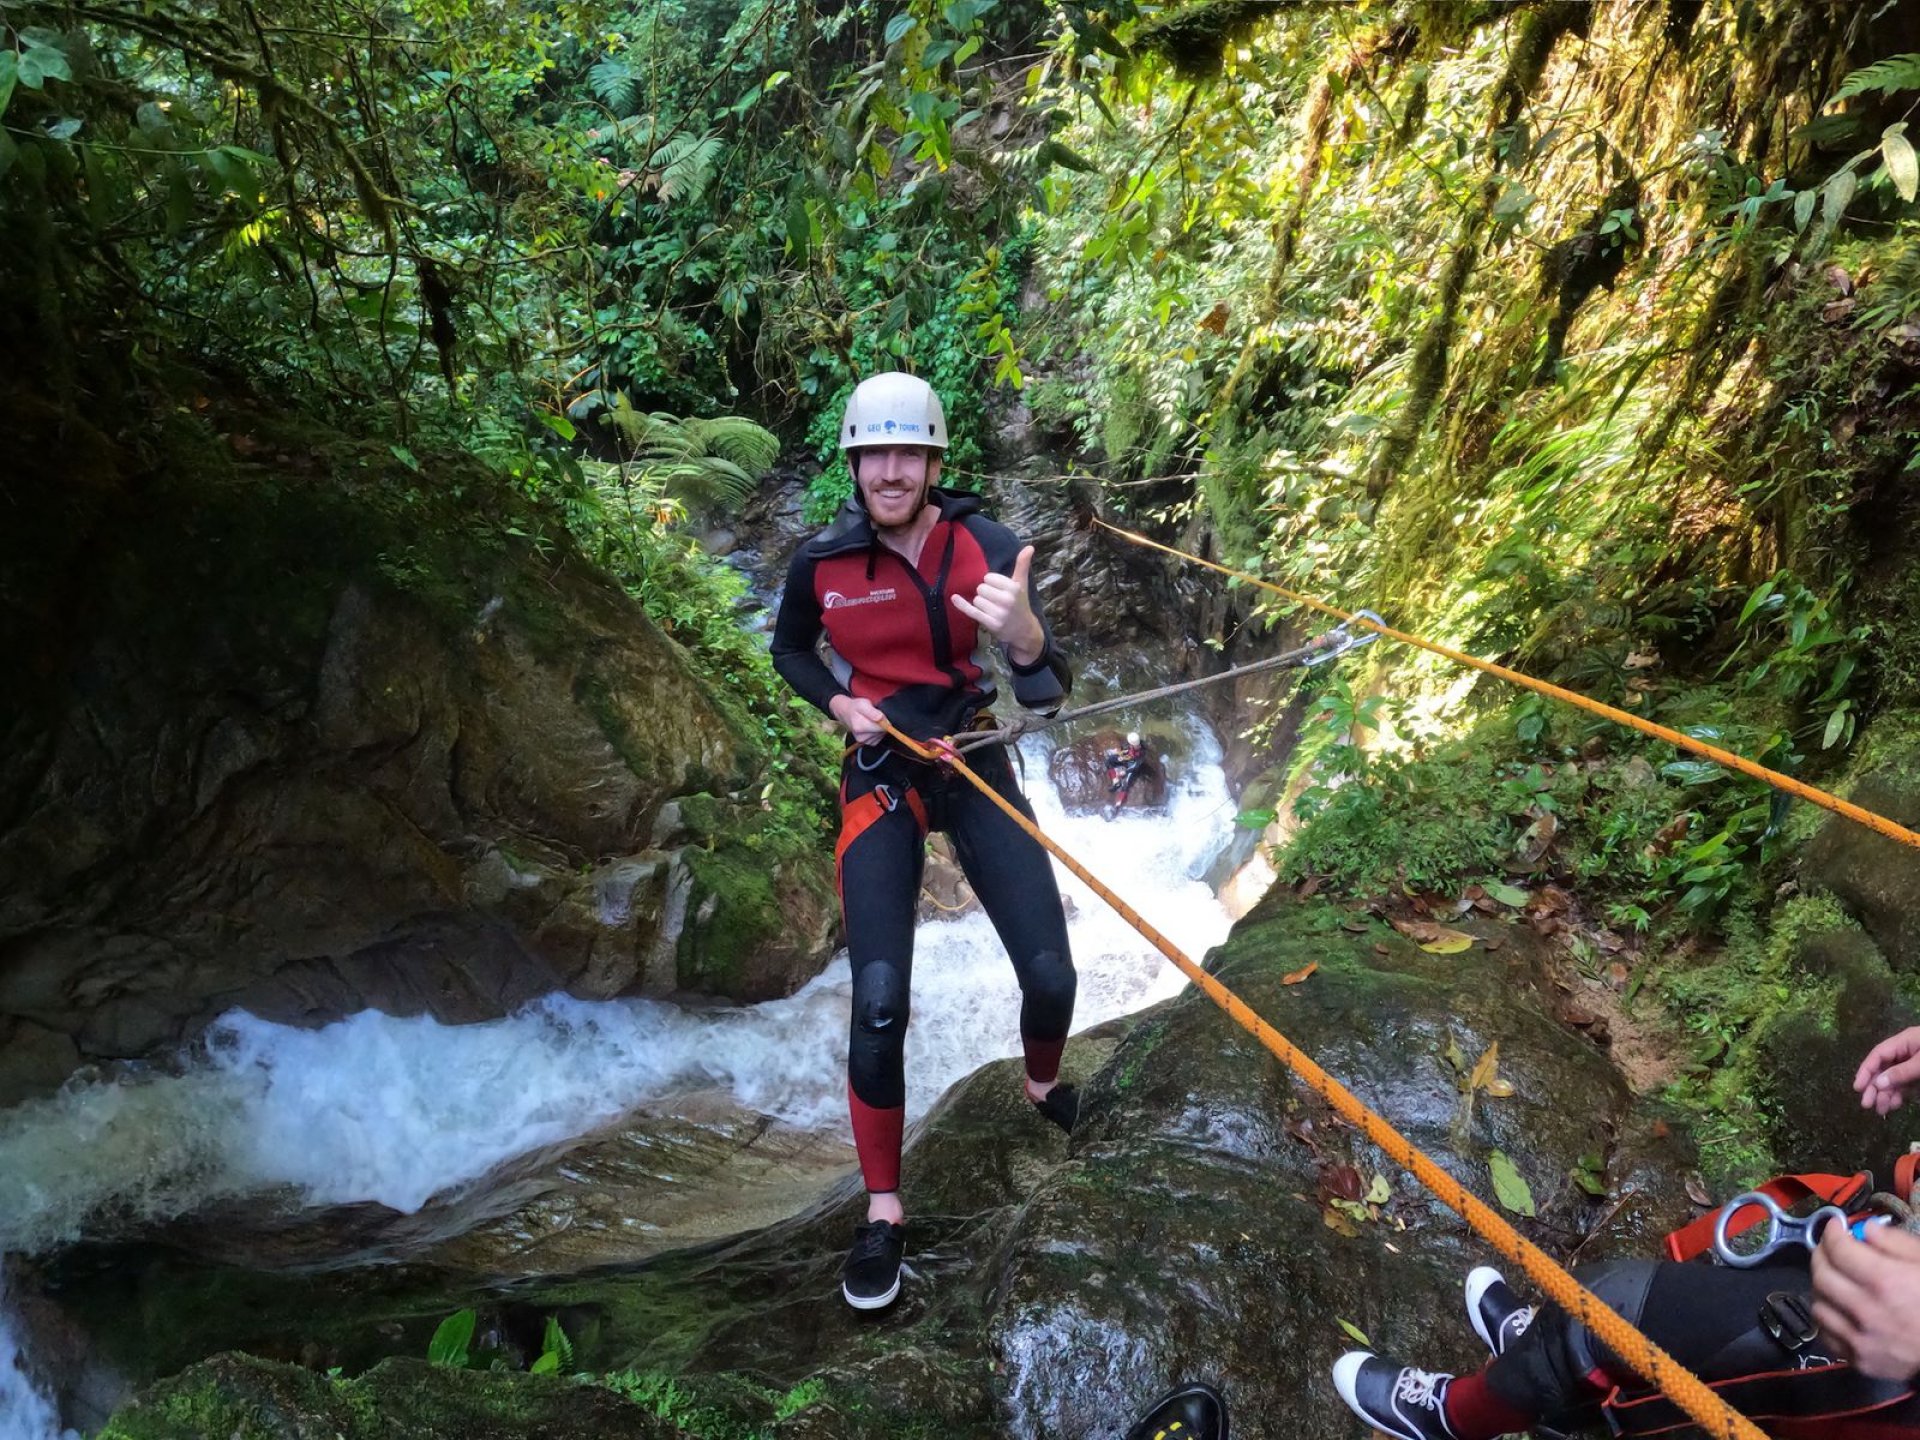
834	600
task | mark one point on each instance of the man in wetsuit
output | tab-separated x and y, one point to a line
908	586
1831	1351
1124	764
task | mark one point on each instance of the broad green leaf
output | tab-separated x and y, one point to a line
778	77
450	1341
65	128
1903	166
1354	1332
1839	194
1506	894
1379	1193
1755	601
9	73
898	27
41	63
1803	204
560	425
547	1364
1836	724
1508	1186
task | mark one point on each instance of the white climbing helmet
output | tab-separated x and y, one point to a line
893	408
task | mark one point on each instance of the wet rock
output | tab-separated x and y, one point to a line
1873	876
1055	1284
33	1060
944	890
1189	1235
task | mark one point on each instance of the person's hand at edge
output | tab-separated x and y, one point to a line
1866	1298
1889	1068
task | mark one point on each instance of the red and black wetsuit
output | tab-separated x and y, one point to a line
897	639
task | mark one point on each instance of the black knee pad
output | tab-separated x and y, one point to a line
875	1068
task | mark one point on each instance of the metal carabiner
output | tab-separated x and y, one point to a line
1782	1229
1344	639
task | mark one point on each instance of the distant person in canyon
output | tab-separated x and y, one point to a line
908	586
1822	1342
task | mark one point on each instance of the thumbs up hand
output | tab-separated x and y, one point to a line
1001	608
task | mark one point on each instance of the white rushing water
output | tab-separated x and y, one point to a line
375	1108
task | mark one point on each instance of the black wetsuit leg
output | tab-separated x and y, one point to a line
1013	877
879	867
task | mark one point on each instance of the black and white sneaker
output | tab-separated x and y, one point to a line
1498	1317
1403	1402
871	1277
1062	1106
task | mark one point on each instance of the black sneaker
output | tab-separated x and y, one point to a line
1062	1106
1403	1402
1498	1317
1194	1411
871	1277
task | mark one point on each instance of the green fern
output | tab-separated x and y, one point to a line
1884	77
702	463
741	441
616	85
684	165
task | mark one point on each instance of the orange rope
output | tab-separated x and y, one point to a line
1647	1359
1877	823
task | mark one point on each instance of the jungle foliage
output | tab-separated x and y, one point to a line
1581	336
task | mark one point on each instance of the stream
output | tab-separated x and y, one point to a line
418	1117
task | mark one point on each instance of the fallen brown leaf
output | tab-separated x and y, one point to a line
1485	1067
1296	976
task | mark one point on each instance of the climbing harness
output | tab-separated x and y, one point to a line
1317	651
1877	823
1648	1360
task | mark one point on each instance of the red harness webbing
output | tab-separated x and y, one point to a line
1696	1237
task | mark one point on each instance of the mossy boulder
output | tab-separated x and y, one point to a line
1846	1000
1877	878
236	1397
316	734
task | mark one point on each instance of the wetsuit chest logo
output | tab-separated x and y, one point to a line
879	595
